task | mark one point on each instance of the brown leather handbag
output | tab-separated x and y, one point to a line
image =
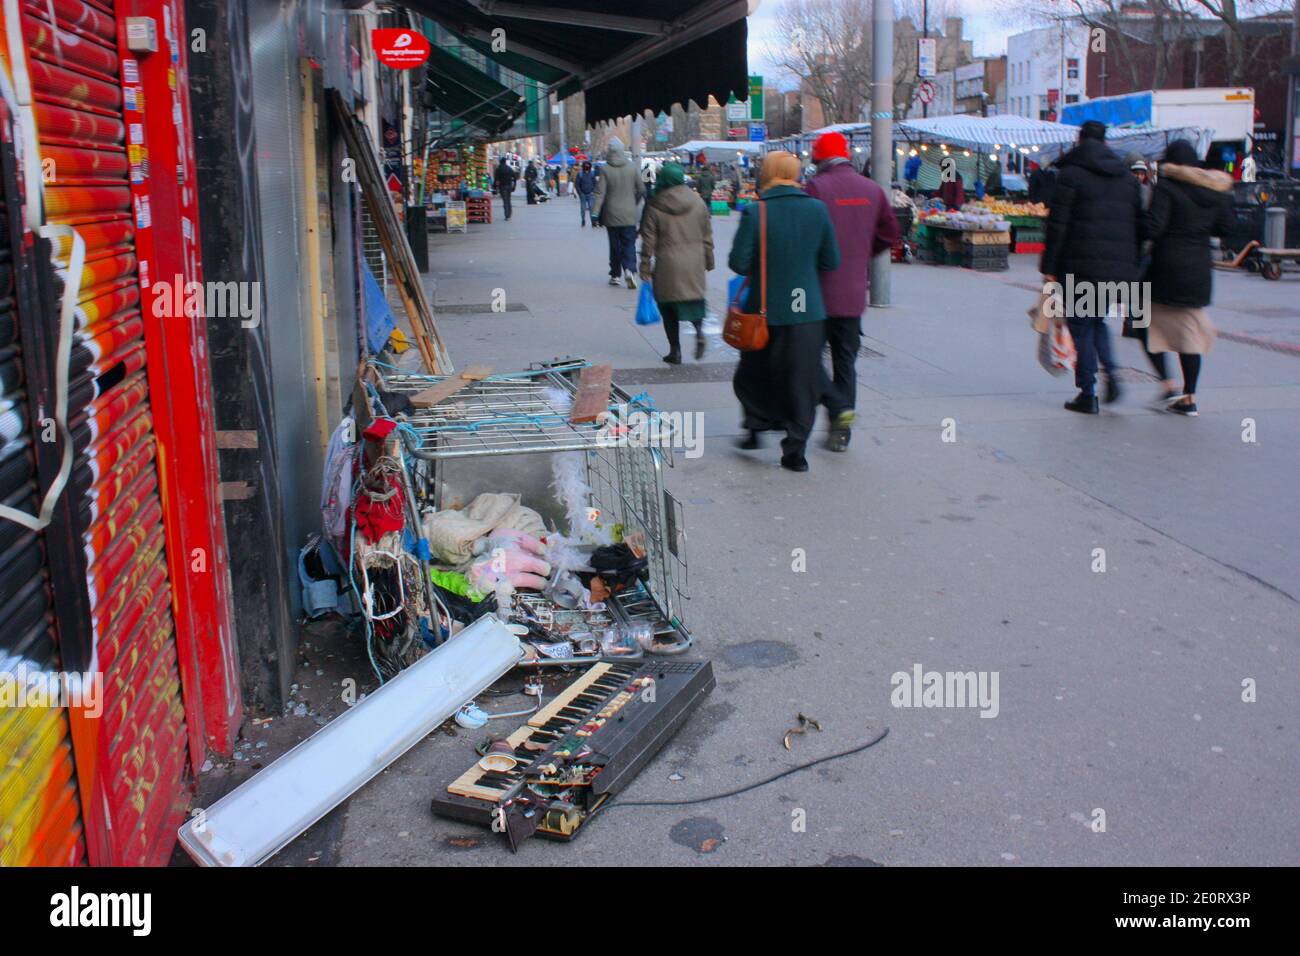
746	331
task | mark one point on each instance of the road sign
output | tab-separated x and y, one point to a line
737	111
756	99
925	92
926	56
757	132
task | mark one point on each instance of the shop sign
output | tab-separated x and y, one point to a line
398	48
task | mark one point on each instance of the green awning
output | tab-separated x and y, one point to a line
466	94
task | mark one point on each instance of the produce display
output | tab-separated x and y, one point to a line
965	218
1000	207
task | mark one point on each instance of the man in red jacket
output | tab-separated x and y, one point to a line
865	225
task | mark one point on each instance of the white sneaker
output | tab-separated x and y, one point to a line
630	278
613	280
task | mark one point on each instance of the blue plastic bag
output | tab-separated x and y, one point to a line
647	309
733	290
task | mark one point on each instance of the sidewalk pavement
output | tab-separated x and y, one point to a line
1119	690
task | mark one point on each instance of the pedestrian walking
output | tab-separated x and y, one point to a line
779	386
1189	205
704	183
1092	236
676	251
618	192
504	181
530	184
585	187
865	225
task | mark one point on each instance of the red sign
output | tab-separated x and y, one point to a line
925	92
400	49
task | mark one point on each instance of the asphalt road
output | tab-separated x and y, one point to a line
1120	692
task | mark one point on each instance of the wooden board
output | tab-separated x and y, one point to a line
393	238
449	386
594	384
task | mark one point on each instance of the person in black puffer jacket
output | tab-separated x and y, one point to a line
1092	235
1190	204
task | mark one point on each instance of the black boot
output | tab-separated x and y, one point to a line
1113	391
794	461
1083	403
674	357
750	441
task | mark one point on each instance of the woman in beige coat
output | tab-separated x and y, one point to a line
676	251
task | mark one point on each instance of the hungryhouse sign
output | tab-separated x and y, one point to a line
398	48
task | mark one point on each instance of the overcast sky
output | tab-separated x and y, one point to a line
987	24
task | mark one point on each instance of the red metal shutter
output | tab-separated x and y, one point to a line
140	770
40	819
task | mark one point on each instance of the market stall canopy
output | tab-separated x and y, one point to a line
567	159
717	150
467	94
627	55
1040	140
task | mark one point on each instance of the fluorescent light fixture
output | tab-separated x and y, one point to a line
263	815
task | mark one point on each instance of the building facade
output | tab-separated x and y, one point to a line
1046	69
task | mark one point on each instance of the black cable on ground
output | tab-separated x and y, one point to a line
753	786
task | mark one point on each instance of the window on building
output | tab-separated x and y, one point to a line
1072	68
1071	97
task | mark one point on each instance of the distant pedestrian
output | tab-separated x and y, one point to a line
1042	183
676	251
1190	204
505	183
704	183
530	184
865	225
618	191
585	187
952	192
779	386
1092	238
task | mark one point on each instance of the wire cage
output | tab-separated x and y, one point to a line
626	452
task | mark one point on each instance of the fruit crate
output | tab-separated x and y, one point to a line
980	237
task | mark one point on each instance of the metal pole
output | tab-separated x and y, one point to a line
564	153
636	143
1291	148
925	33
882	127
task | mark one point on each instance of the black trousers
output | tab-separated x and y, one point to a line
779	387
673	325
505	202
840	389
622	249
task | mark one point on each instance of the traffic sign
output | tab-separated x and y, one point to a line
925	92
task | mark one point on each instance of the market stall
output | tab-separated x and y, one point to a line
458	187
976	239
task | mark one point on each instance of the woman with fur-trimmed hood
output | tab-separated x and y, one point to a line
1189	205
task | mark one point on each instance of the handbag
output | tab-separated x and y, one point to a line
747	331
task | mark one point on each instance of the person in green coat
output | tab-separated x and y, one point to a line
676	251
779	386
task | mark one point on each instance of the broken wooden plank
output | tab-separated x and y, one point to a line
594	383
393	239
449	386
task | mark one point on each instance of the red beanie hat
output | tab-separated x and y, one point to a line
830	145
